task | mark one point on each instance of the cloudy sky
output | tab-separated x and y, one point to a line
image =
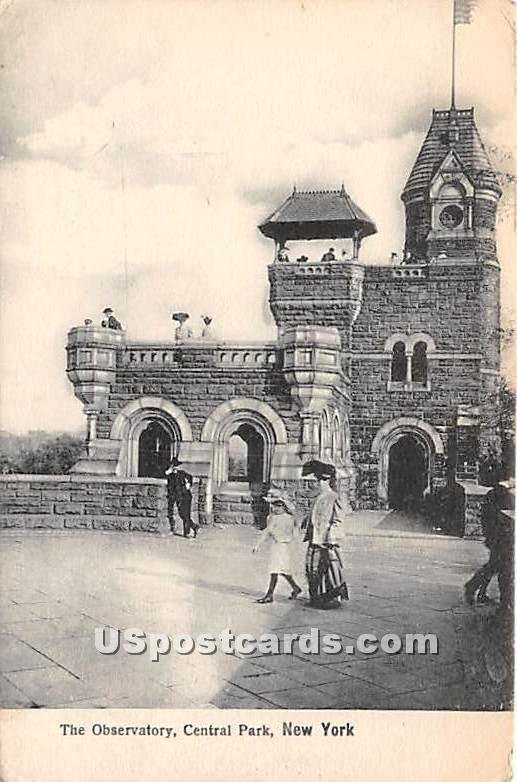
144	140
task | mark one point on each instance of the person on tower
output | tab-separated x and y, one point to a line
329	256
110	322
207	332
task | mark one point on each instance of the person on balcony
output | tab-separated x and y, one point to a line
329	256
183	332
110	322
207	332
282	255
179	494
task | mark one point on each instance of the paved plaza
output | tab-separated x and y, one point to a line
58	586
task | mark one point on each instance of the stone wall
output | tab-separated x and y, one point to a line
322	294
453	303
199	390
83	502
474	499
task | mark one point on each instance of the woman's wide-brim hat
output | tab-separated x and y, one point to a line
276	497
319	469
181	317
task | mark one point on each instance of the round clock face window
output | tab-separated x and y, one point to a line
451	216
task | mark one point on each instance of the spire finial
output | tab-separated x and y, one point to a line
294	189
342	189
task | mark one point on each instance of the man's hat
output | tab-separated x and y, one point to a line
319	469
107	310
175	462
276	497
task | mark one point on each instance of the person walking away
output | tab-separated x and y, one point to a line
179	494
498	531
323	565
280	531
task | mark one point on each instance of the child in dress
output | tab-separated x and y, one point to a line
280	532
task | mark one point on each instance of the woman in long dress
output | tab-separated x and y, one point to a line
323	564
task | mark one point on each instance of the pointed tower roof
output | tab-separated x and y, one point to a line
451	129
318	214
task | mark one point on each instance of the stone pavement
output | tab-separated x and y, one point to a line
58	586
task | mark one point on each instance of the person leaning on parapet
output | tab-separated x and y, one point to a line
282	255
179	493
110	321
329	256
498	529
408	258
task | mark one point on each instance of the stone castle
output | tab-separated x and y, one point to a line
385	370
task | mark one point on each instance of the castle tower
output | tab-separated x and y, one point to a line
451	199
315	301
452	192
317	291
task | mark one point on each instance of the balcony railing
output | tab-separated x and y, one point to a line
192	353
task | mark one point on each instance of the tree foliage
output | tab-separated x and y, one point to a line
54	457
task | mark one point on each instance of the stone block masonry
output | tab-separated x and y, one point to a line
83	502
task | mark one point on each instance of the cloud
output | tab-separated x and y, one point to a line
146	141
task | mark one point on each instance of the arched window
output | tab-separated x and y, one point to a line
246	455
337	440
419	363
325	436
399	363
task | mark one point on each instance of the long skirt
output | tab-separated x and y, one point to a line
325	575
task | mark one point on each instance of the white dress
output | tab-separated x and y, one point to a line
280	530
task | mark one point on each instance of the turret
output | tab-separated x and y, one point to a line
91	366
452	192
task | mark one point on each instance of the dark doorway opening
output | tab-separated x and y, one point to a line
407	474
154	451
246	456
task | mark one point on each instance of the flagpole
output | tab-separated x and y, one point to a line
453	79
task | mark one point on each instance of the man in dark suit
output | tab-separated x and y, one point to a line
179	493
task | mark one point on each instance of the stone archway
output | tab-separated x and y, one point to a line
133	421
263	429
408	472
425	437
156	447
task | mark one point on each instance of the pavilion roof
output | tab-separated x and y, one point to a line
318	214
